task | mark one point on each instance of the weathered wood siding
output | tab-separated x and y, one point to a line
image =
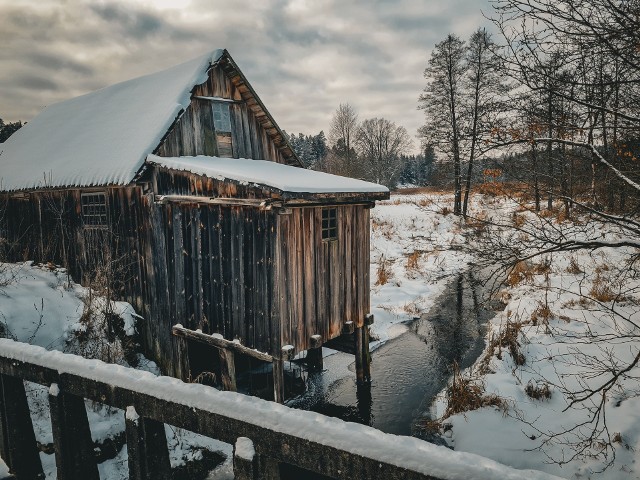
194	132
47	226
322	284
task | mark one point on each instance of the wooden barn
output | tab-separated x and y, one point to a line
183	189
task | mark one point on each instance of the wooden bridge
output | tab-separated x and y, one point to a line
270	440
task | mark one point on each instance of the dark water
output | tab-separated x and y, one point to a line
408	371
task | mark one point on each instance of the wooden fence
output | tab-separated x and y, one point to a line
269	439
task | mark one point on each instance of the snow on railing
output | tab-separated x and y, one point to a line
279	434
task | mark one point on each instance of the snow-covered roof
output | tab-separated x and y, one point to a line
101	138
263	173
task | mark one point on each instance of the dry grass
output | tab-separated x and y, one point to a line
384	273
507	339
601	289
573	267
541	315
383	227
478	223
467	393
412	308
413	260
521	271
538	391
518	220
424	202
445	211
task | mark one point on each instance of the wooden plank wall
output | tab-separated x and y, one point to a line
324	283
194	132
47	227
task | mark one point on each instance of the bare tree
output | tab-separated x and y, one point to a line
342	136
442	102
579	67
380	144
484	98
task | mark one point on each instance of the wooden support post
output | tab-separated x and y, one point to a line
18	446
366	354
146	448
314	354
278	380
71	437
245	460
358	337
227	369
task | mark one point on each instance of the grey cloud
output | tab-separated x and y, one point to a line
34	82
303	58
55	61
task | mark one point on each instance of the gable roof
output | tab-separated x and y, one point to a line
289	181
103	137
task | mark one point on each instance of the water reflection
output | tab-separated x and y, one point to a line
408	371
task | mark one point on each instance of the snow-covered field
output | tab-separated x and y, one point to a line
568	340
415	249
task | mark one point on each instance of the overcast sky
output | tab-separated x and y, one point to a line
303	57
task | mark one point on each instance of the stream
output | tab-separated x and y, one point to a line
407	371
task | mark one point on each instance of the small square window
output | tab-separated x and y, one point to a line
221	117
94	209
329	224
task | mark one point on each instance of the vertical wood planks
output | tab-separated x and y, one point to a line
71	437
148	455
18	446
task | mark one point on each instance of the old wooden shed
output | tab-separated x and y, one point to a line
182	183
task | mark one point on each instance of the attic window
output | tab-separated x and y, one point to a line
221	117
329	224
94	209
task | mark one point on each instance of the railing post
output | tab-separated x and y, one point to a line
245	464
268	468
75	457
18	446
146	448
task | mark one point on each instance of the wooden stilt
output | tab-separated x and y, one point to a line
245	460
314	354
71	437
362	353
358	338
366	355
227	369
278	380
18	446
146	448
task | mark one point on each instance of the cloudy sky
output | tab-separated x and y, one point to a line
303	57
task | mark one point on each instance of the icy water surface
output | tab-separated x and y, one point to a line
408	371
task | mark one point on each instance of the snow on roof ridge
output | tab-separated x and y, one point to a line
285	178
102	137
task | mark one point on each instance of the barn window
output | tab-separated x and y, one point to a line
329	224
94	209
221	117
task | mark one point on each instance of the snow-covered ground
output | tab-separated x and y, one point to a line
40	305
566	338
412	258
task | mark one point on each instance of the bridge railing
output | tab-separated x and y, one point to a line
267	437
